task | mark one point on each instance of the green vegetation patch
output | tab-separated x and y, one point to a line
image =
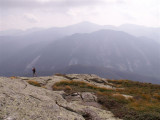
145	104
79	86
35	83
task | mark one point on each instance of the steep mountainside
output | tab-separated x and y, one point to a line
104	48
12	41
55	49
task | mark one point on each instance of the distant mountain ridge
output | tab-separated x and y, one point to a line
87	27
12	41
56	48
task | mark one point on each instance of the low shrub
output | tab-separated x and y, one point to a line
13	77
157	96
59	74
35	83
44	87
79	86
68	88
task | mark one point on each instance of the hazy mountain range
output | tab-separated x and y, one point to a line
124	52
86	27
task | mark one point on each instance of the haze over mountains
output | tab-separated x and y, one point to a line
125	52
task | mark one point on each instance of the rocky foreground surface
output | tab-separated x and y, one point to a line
21	101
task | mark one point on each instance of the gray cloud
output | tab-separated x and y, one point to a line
30	18
10	4
33	4
24	14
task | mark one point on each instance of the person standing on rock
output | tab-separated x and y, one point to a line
34	72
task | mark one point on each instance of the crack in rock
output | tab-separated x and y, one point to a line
86	113
25	84
35	97
47	81
67	108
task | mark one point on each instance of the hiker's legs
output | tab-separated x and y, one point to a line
34	74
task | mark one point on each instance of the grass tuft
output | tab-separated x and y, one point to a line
13	77
35	83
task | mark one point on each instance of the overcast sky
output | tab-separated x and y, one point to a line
24	14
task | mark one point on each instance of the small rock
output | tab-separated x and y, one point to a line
88	97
